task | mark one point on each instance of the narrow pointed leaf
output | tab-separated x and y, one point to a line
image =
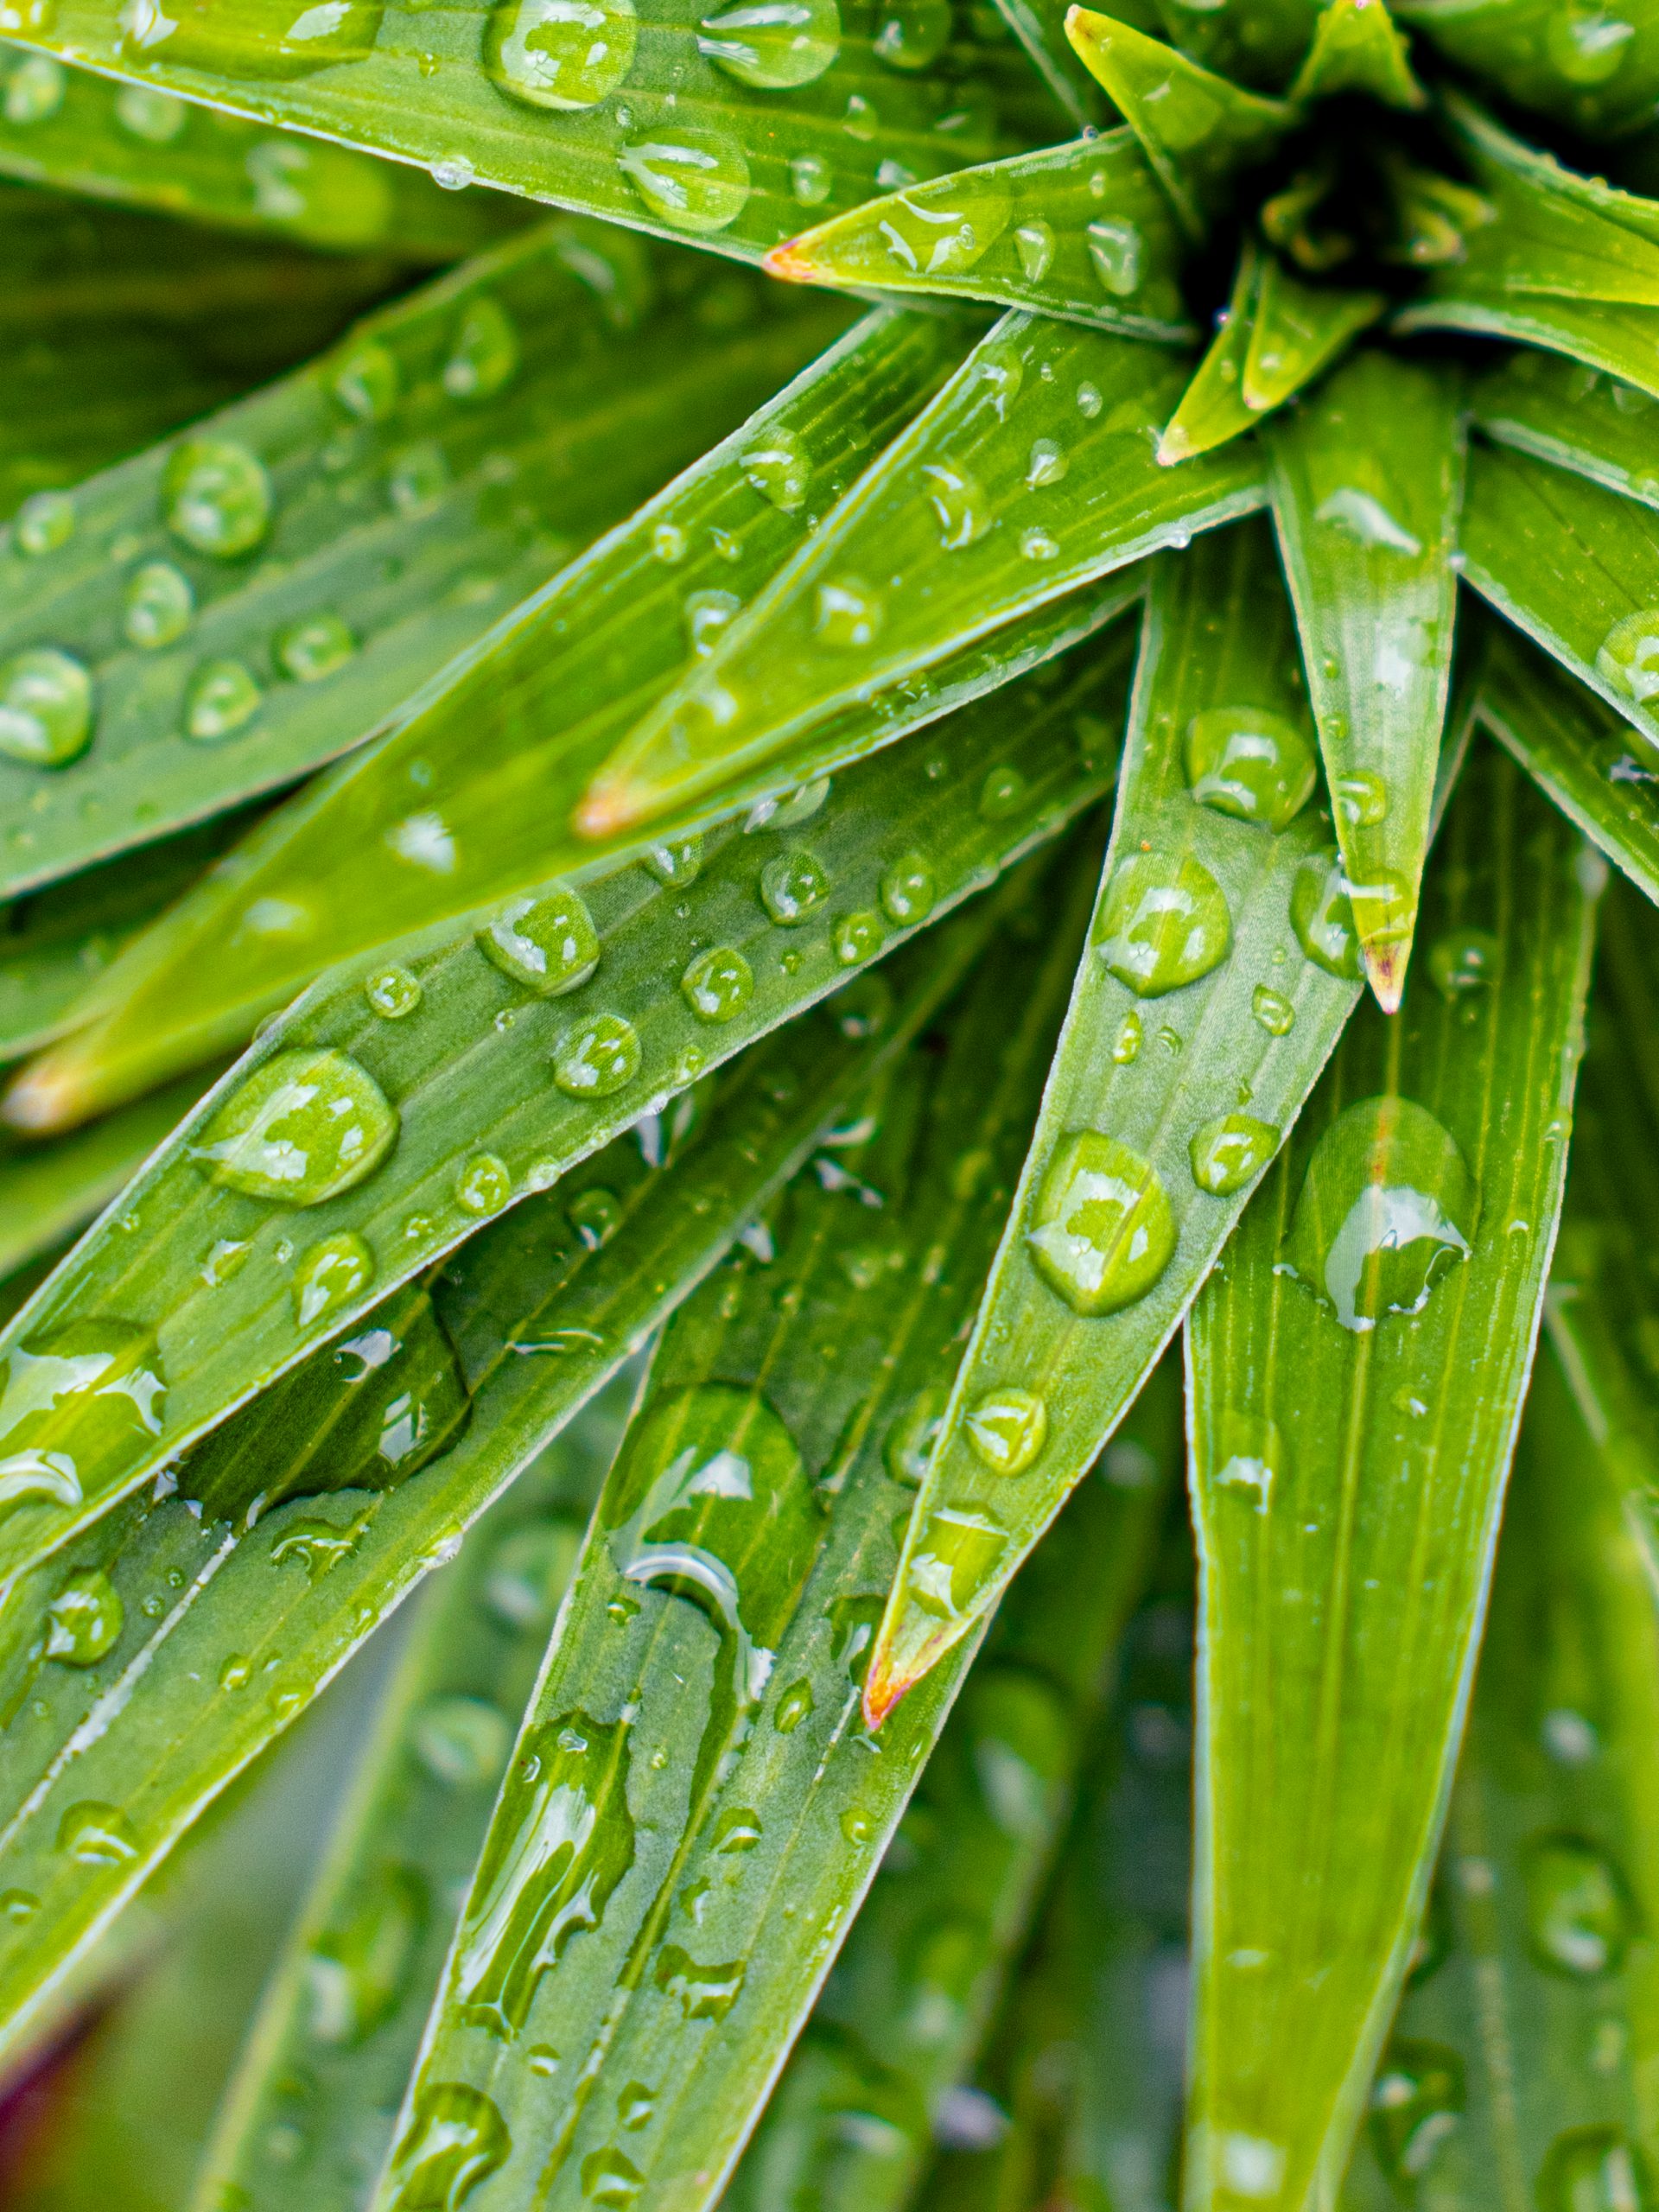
465	800
1040	26
1576	567
1032	471
295	568
732	1814
1579	751
1358	49
1256	42
1623	341
1567	415
1296	331
700	124
64	127
1357	1365
395	1107
1598	74
1083	231
1367	485
49	1192
512	1342
952	1906
1198	1026
342	2012
1197	127
1212	409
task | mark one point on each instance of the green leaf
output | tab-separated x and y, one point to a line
133	142
339	2023
1358	49
297	567
1357	1365
48	1192
515	1338
1198	1026
463	802
1599	73
698	124
1576	567
1212	410
1565	414
1198	129
1367	484
1031	471
1253	41
698	1703
394	1108
1296	331
1040	26
1577	750
1622	340
908	2002
1083	231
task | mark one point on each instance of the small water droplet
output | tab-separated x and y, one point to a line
1251	763
484	357
83	1621
484	1185
694	179
1163	924
223	698
1464	962
1118	251
1002	794
999	366
1034	243
368	382
159	607
913	33
793	885
595	1216
1047	463
1037	545
1007	1428
78	1406
958	1551
216	498
1125	1046
737	1830
857	937
1323	916
811	180
610	2178
677	863
1593	2169
317	647
718	984
303	1127
849	612
45	707
1367	521
793	1707
314	1544
706	1992
1417	2102
1629	658
43	523
236	1672
777	463
393	993
1228	1152
331	1274
1275	1012
19	1905
546	944
908	890
1578	1912
599	1058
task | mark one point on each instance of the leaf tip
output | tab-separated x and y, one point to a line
789	263
1175	446
1385	969
608	804
882	1688
43	1098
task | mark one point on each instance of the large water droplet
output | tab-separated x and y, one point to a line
706	1992
45	707
1164	924
1578	1916
772	44
1249	762
331	1275
159	605
1103	1232
779	467
357	1972
1593	2170
718	984
1389	1206
793	885
560	54
948	236
1046	463
548	945
456	2138
94	1834
1228	1152
1118	251
959	499
223	698
277	42
1006	1429
79	1406
693	178
1417	2102
561	1840
909	893
303	1127
958	1551
599	1058
216	497
909	1442
83	1621
484	357
1322	916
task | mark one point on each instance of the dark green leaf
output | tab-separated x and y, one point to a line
1358	49
1598	73
48	1192
1562	412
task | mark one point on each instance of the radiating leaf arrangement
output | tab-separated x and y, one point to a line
781	787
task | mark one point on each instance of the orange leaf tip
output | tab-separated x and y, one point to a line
41	1100
789	263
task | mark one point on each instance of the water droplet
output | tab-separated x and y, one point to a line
1629	658
159	607
78	1407
1118	251
368	382
857	1827
456	2138
777	463
560	54
83	1621
216	498
908	1445
1579	1914
1464	962
1007	1428
1037	545
957	498
849	613
236	1672
1047	463
303	1127
94	1834
1103	1231
561	1840
18	1906
44	522
694	179
791	886
1387	1208
1090	401
1251	763
1417	2101
315	1545
1593	2169
45	707
35	90
610	2178
357	1973
811	180
706	1992
310	650
223	698
1250	1456
913	33
1323	916
462	1742
528	1570
595	1216
1226	1154
393	993
999	366
958	1553
1034	242
1275	1012
1367	521
1002	794
418	478
484	357
737	1830
908	890
548	945
331	1274
857	937
793	1707
599	1058
1125	1046
707	616
484	1185
1163	924
773	44
718	984
677	863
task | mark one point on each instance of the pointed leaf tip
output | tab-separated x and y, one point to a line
788	263
1385	970
39	1101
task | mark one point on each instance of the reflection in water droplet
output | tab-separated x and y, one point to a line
957	498
310	650
1388	1207
1103	1232
484	358
1002	794
1629	658
216	497
595	1216
94	1834
1228	1152
1034	243
367	382
315	1545
1275	1012
958	1552
45	707
331	1275
737	1830
1125	1046
546	944
707	616
1249	1455
676	863
598	1058
223	698
1417	2101
811	180
778	464
793	1707
456	2138
718	984
560	54
1163	924
908	890
1362	798
1007	1428
610	2178
43	524
949	231
857	936
1593	2170
1047	463
849	613
706	1992
773	44
694	179
1579	1913
19	1905
1118	251
303	1127
792	885
83	1621
911	34
78	1407
1249	762
159	605
393	993
1464	961
484	1185
357	1972
1323	918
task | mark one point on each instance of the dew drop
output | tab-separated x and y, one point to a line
1034	243
560	54
773	44
676	864
484	357
1047	463
913	33
1593	2169
1228	1152
1417	2102
1118	252
303	1127
1322	916
331	1274
368	382
718	984
1578	1916
315	647
908	1445
1125	1046
1250	1456
707	616
595	1216
1103	1232
358	1972
998	365
779	467
216	498
1463	963
223	698
1275	1012
811	180
548	945
462	1742
94	1834
957	498
1007	1428
958	1551
1002	794
159	607
1367	521
417	478
83	1621
599	1058
43	523
908	890
1251	763
393	993
484	1186
1163	924
857	937
693	178
19	1905
792	885
1039	544
793	1707
315	1545
849	612
79	1405
45	707
1629	656
456	2138
610	2179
